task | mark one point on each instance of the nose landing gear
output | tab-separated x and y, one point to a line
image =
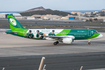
55	43
89	42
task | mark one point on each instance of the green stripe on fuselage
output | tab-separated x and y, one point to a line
20	31
94	35
64	32
79	33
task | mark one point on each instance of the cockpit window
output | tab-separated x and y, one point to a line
96	32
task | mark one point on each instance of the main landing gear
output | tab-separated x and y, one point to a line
89	42
55	43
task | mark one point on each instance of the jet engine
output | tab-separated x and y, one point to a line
67	40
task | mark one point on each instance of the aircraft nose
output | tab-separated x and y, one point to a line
100	36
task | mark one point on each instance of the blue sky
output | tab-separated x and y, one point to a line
22	5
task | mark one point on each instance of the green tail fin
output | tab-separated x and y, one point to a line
14	24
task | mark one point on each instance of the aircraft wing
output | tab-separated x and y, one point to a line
59	37
64	39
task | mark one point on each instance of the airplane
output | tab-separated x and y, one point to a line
66	36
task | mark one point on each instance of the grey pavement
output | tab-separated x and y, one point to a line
18	53
16	46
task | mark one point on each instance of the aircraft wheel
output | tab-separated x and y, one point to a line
55	43
89	43
72	40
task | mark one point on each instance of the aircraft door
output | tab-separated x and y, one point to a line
89	32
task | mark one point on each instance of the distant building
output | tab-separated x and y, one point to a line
89	13
30	18
101	13
51	17
72	13
77	13
16	14
64	18
103	20
103	10
71	17
3	15
37	16
94	12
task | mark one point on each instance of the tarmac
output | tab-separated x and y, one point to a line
16	46
18	53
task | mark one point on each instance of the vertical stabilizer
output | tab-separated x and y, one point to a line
14	24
